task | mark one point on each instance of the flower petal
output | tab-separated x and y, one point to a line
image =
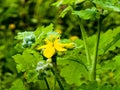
49	51
58	46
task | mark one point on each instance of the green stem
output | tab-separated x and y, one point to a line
54	86
47	83
57	78
93	71
84	36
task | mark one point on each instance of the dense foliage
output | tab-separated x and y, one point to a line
60	45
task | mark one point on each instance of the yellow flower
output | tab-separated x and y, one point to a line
52	46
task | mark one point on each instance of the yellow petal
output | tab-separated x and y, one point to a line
60	49
58	46
49	51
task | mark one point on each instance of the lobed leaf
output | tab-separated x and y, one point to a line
90	13
18	85
117	66
41	33
110	43
108	5
65	11
27	60
74	68
73	72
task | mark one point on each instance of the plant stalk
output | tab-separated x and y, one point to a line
94	63
57	78
54	86
84	36
46	83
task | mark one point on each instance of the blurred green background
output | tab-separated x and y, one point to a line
26	15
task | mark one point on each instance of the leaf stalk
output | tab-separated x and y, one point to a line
94	63
84	36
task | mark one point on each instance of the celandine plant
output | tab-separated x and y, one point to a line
38	52
67	65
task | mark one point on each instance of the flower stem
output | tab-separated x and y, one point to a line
57	78
46	83
54	86
94	63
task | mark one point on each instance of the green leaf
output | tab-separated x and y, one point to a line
110	65
108	4
41	33
74	68
72	73
87	13
79	1
32	76
68	1
106	44
38	31
65	11
18	85
90	86
110	43
79	43
62	2
9	3
57	4
106	87
109	69
26	61
117	65
116	87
